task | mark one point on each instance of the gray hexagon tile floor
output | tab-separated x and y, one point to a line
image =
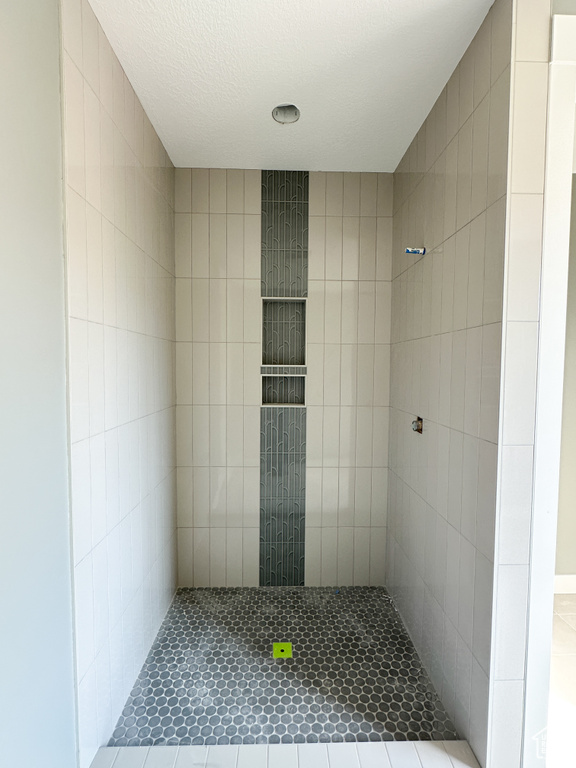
210	677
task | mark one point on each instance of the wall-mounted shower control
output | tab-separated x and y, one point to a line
418	424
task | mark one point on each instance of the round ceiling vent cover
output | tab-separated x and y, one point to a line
286	113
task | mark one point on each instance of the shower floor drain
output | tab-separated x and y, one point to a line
282	650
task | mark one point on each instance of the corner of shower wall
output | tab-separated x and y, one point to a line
450	196
119	212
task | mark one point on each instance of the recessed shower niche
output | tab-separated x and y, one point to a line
284	333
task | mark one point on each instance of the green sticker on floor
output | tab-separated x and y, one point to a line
282	650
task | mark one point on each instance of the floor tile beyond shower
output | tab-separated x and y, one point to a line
210	677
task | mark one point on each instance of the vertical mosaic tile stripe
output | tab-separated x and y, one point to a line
282	496
285	233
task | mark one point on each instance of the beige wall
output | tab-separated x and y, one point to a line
120	267
566	542
450	196
219	319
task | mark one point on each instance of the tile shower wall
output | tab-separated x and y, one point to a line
120	273
347	386
450	196
219	386
218	382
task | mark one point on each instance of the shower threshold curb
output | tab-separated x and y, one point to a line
390	754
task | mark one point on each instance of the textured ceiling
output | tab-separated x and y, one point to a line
364	74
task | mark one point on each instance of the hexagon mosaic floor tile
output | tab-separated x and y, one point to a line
210	677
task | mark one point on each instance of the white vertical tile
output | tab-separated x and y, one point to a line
161	757
333	253
235	246
510	622
253	312
351	194
222	756
313	756
201	426
330	476
200	309
313	560
385	194
252	247
366	312
200	190
498	134
190	757
368	194
183	244
515	505
343	756
520	383
373	755
250	557
334	194
329	555
284	756
132	758
361	556
377	577
200	371
217	557
384	248
235	191
506	723
524	257
217	246
432	754
476	271
367	253
529	126
345	556
105	757
490	387
183	190
350	247
364	437
332	363
349	312
185	557
382	317
317	193
402	755
218	313
460	754
217	190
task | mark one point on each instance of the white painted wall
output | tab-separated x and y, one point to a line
37	717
